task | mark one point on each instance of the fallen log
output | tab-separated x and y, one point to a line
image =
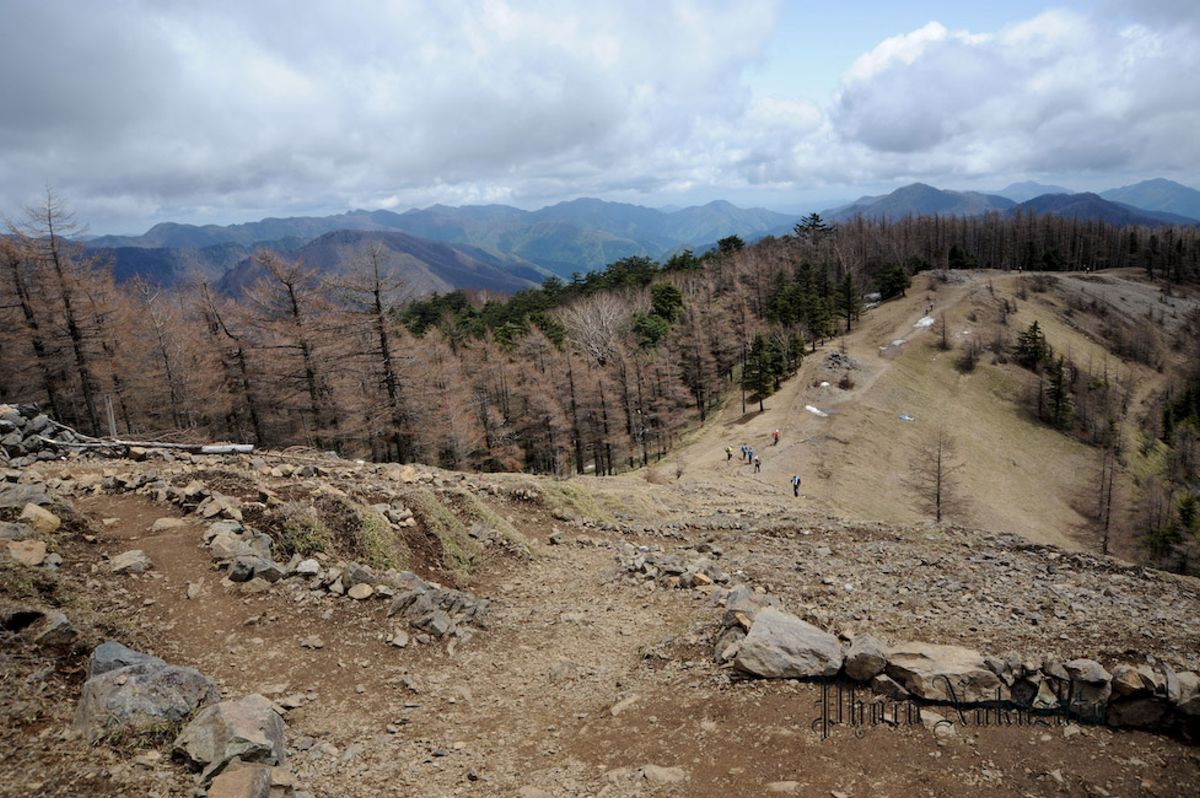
191	448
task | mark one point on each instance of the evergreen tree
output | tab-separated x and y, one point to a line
758	376
1058	395
1032	350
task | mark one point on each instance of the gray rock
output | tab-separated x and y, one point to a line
944	673
226	546
1188	701
14	496
1090	684
138	698
308	568
133	561
247	567
866	658
10	531
248	729
111	655
781	646
55	632
437	623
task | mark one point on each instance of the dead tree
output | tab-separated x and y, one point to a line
933	476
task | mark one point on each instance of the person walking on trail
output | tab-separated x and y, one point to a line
796	485
775	438
757	464
729	453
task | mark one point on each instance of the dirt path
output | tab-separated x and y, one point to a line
580	680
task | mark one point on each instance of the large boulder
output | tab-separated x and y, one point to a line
944	673
248	729
110	655
139	698
781	646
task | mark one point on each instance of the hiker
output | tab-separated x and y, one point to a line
796	485
729	453
757	464
775	438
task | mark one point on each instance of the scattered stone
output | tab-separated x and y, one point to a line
133	561
248	729
14	495
361	591
250	781
54	632
40	519
26	552
658	775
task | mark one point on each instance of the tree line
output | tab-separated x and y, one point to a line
598	373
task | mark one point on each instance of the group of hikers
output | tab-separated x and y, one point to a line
750	457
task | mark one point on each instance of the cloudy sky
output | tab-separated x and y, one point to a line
138	111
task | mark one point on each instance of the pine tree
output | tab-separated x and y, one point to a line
1032	350
758	378
1058	395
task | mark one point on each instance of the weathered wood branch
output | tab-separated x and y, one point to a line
192	448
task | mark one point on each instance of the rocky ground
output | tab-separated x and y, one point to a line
574	650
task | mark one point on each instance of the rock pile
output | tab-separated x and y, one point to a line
429	608
23	430
652	564
758	639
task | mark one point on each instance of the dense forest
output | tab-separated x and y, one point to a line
597	374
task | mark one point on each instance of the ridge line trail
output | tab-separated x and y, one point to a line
704	458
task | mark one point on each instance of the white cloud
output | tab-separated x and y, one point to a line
138	110
1058	93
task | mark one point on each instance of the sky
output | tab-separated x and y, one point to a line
141	111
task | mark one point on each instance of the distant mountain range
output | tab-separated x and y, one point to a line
1153	203
576	236
1027	190
501	248
427	266
1158	195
